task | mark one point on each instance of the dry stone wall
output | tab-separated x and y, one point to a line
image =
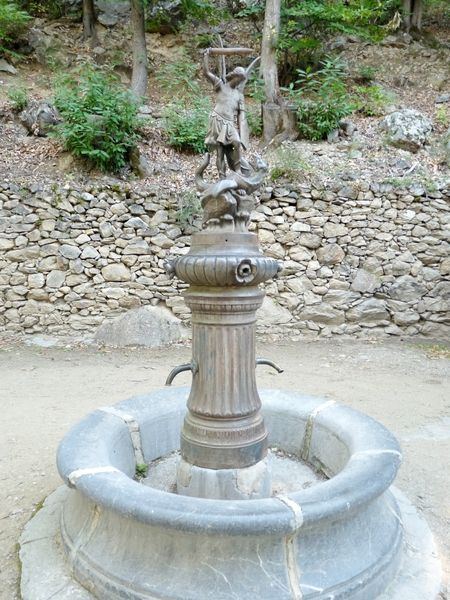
359	258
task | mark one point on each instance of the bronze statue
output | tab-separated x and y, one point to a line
228	130
227	203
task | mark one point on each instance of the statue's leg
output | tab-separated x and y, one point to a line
220	161
234	158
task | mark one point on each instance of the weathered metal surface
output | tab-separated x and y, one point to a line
224	428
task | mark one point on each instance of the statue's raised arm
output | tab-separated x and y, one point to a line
206	70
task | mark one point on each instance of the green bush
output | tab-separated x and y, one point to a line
18	96
100	119
13	23
254	120
371	100
53	9
321	99
187	125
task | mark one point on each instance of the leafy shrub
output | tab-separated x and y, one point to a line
371	100
100	119
365	74
13	23
54	9
321	99
254	119
187	125
18	97
442	117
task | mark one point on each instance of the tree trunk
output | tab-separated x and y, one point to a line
269	44
89	20
406	11
278	118
416	19
139	76
412	14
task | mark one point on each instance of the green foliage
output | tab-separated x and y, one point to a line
287	162
253	11
371	100
442	117
141	470
254	120
255	87
18	96
187	125
305	25
321	99
100	118
189	207
53	9
13	23
179	76
198	10
366	74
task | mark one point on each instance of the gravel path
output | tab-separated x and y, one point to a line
43	391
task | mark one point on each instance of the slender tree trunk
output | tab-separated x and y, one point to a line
412	14
269	44
89	21
416	19
139	76
278	118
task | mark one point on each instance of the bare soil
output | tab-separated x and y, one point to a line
412	74
43	391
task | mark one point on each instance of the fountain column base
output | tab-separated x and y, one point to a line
250	483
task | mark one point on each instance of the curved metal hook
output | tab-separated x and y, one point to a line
176	370
265	361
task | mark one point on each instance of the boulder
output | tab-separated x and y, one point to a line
151	326
407	129
272	313
365	282
40	117
116	272
407	289
368	311
47	48
322	313
165	17
6	67
332	254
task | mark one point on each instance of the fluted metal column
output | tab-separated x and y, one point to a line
224	428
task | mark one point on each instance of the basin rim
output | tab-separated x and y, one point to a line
373	464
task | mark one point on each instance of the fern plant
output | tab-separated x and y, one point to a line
100	119
13	23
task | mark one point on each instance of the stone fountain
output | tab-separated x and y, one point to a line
229	525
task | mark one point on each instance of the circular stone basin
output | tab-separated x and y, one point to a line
338	539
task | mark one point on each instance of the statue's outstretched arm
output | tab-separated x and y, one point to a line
209	74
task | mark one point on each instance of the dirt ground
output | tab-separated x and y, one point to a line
43	391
